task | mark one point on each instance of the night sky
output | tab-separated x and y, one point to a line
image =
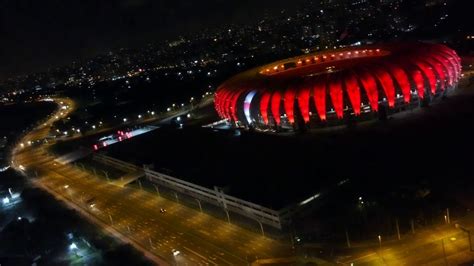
36	34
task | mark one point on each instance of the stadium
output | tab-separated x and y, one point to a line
339	86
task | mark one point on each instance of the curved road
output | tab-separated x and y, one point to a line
133	215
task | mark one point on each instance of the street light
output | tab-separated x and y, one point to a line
73	246
6	200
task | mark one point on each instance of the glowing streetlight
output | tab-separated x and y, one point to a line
6	200
73	246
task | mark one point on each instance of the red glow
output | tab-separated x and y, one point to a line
439	71
370	87
449	71
419	83
218	101
353	90
402	79
303	102
387	85
276	101
264	106
453	57
289	104
428	71
96	147
335	91
391	70
227	104
319	93
233	106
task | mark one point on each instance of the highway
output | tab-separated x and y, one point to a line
135	214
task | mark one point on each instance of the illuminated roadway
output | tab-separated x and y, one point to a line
134	215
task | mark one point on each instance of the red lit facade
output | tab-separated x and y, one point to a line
334	85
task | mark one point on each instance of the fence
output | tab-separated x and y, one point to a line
217	197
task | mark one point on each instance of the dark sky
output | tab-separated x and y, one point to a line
35	34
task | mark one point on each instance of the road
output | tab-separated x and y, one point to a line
135	214
423	248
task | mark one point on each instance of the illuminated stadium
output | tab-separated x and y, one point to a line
338	86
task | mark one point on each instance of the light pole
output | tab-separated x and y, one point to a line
398	229
444	252
380	241
347	239
261	228
106	175
157	190
176	196
227	213
111	221
151	243
199	203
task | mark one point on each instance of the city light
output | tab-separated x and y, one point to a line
73	246
321	127
5	201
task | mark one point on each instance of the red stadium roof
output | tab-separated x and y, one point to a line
339	82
